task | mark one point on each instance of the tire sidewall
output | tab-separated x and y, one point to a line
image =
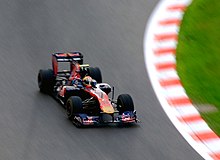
125	103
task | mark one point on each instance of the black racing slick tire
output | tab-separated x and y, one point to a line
46	81
95	73
125	103
73	106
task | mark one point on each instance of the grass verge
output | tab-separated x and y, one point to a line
198	57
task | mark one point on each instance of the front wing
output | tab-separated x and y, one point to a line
127	117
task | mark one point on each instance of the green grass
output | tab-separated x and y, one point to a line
198	56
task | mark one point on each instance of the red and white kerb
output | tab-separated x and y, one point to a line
161	37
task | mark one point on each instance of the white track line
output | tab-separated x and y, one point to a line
159	49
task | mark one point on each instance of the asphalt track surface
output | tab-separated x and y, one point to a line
110	34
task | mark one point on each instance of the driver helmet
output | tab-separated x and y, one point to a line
87	81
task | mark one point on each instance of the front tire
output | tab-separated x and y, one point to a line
125	103
73	106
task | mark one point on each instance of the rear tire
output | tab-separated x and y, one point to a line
95	73
125	103
46	81
73	106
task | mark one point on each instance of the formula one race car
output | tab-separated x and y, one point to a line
81	91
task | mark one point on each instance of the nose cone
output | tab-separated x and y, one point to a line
108	109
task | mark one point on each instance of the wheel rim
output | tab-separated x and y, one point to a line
120	107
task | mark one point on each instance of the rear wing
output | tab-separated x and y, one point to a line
66	57
69	57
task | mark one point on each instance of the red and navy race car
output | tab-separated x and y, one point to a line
79	88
